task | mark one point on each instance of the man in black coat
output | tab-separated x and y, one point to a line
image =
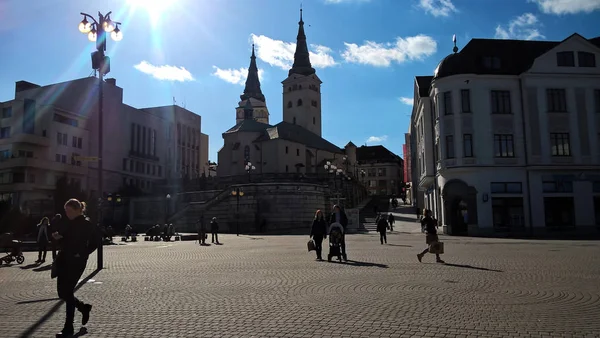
338	215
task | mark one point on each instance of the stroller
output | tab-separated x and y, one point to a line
13	250
335	243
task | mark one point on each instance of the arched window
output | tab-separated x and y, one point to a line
299	102
294	120
290	104
247	153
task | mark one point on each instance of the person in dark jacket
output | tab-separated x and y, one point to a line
42	239
338	215
318	232
430	226
214	230
78	239
382	226
391	220
201	231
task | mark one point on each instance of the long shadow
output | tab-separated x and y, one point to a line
357	263
43	268
37	301
29	332
471	267
405	246
30	266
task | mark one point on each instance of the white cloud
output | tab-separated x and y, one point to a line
406	100
377	139
280	54
235	76
523	27
382	54
438	7
169	73
567	6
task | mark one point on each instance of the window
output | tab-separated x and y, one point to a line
491	62
557	186
57	157
131	166
586	59
5	132
4	154
63	158
504	145
450	146
124	164
506	188
289	104
556	100
465	98
597	100
6	112
25	153
286	149
371	172
372	184
79	142
297	152
74	143
299	102
59	138
447	103
467	145
565	59
28	116
501	102
560	144
159	171
247	153
287	169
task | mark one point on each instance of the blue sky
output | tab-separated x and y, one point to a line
367	52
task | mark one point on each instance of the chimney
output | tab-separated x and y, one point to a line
111	81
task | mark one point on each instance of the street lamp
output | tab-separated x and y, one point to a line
113	200
96	32
249	168
237	193
167	199
363	173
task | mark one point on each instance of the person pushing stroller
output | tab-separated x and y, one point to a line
336	237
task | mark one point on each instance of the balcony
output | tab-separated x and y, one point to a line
24	162
140	155
27	139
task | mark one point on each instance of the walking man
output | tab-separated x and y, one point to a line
214	230
201	231
382	226
391	220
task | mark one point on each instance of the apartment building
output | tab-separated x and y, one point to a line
507	135
52	131
383	170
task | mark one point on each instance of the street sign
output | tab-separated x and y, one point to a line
86	158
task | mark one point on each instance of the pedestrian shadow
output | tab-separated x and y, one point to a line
30	266
367	264
205	244
43	268
218	243
31	330
37	301
402	245
255	238
471	267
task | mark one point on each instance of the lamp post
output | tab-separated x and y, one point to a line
101	245
249	168
167	200
363	173
113	200
237	192
96	32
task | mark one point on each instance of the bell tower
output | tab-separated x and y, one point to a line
252	97
302	88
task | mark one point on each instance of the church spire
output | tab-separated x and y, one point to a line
301	56
252	88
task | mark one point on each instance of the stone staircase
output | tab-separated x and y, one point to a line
368	214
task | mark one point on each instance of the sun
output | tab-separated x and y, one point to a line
154	8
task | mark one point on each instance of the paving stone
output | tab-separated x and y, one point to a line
269	286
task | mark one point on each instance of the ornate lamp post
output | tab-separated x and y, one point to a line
96	32
237	193
113	200
167	200
249	168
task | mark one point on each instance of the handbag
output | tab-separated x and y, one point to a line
311	245
436	248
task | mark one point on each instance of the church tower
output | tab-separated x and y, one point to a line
252	97
302	88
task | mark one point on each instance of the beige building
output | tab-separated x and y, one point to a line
380	169
44	130
294	145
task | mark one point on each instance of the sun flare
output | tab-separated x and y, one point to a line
154	8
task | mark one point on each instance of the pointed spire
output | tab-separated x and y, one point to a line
252	88
301	56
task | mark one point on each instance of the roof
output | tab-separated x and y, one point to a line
301	56
423	83
375	153
295	133
248	126
470	60
252	88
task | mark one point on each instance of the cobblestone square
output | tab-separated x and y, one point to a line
269	286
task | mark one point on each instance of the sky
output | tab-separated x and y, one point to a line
196	52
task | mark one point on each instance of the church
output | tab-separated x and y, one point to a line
294	145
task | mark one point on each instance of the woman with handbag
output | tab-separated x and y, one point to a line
42	239
430	226
318	232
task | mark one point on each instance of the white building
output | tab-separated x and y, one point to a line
45	129
508	136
